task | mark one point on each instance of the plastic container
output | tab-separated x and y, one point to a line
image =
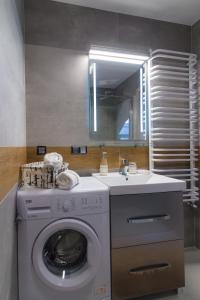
132	168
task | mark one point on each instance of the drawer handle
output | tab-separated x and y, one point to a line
150	268
149	218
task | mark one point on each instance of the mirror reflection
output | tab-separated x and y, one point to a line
116	111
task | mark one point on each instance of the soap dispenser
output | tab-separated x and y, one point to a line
104	164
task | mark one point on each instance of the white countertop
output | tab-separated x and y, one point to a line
140	183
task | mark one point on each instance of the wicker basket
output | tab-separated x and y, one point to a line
39	175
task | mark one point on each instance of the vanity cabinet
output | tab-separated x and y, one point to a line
147	244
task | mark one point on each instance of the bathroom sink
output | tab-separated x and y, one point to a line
140	183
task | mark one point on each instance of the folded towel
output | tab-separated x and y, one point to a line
67	179
54	160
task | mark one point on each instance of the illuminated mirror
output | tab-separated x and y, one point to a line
118	95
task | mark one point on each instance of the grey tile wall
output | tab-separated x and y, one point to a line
143	34
62	25
57	96
196	38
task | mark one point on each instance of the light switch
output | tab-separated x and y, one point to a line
41	150
79	150
83	150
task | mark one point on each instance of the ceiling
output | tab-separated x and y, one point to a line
178	11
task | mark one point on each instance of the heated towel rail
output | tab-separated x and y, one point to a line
173	118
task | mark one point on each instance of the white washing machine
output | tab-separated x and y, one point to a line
64	243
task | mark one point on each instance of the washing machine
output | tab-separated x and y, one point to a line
64	243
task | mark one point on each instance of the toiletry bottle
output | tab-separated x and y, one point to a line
132	168
104	164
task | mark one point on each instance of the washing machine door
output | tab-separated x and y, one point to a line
66	254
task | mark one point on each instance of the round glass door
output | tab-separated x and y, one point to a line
67	254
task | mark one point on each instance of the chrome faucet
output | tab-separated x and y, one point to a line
124	167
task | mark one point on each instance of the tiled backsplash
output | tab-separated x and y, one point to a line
11	158
91	160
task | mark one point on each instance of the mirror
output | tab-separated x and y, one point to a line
117	99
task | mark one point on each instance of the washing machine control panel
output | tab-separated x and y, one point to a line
81	204
64	205
53	205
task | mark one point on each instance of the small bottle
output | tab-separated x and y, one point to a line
104	165
132	168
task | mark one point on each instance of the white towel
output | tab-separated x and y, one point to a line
67	180
54	160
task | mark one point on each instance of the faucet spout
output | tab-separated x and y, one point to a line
124	168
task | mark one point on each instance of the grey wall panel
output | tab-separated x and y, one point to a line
57	96
8	248
62	25
196	38
143	34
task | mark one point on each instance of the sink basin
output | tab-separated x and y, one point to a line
140	183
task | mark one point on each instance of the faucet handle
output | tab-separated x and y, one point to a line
124	160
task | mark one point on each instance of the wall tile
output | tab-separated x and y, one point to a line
61	25
57	96
11	158
196	38
91	161
144	34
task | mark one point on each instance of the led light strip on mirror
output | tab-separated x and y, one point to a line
116	57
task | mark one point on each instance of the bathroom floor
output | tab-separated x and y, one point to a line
192	279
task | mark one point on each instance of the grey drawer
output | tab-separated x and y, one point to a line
147	269
146	218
